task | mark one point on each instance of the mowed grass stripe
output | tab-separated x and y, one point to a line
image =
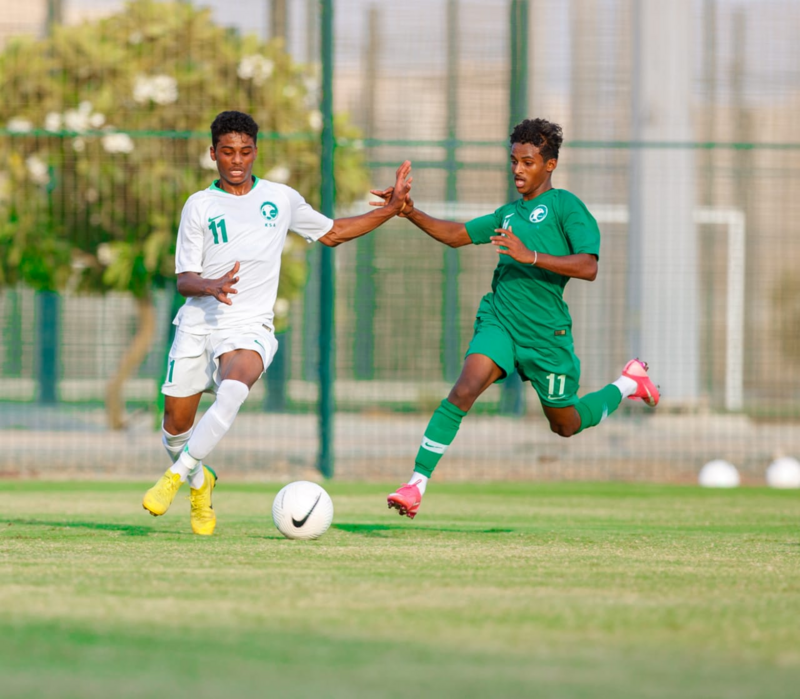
79	662
642	590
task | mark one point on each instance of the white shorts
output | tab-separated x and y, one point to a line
193	365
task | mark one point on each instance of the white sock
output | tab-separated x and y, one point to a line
185	464
627	386
197	477
420	480
213	425
175	444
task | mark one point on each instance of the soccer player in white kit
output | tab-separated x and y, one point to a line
228	260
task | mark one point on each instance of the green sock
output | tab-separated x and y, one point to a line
439	434
596	407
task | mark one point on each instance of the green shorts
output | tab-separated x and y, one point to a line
554	372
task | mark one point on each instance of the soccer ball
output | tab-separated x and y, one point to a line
302	510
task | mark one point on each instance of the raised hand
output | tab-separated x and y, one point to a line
386	195
402	187
397	197
508	244
222	287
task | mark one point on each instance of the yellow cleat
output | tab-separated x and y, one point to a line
204	518
158	499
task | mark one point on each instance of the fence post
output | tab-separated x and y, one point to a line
48	310
327	285
277	375
365	305
511	392
451	336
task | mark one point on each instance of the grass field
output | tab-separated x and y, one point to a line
543	590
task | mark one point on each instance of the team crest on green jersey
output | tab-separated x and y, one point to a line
539	214
269	212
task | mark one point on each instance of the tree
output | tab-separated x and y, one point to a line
107	136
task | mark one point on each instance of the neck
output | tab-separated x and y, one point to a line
236	189
541	189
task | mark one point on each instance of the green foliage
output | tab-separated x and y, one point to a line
91	188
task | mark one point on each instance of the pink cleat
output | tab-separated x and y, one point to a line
406	500
646	390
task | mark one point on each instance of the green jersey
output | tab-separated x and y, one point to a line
528	300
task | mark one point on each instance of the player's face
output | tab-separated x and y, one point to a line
234	155
531	172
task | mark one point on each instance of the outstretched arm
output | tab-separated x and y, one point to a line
345	229
450	233
581	266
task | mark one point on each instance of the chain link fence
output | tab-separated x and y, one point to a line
680	135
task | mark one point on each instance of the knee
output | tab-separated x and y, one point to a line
176	424
563	430
463	396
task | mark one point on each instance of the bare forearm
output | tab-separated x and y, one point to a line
192	284
582	266
346	229
450	233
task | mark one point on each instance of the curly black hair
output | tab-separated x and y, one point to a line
233	122
543	134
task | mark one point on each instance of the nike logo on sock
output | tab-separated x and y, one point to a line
435	447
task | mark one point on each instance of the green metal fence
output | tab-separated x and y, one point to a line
694	198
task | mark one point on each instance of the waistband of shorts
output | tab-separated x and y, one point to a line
249	328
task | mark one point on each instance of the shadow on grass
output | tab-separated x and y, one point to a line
377	530
126	529
386	529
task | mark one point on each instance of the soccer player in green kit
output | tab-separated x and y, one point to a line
543	239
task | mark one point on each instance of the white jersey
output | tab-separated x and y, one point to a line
219	229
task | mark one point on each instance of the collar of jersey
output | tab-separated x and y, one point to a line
524	208
537	200
215	188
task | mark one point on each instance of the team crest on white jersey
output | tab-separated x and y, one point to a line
269	212
539	214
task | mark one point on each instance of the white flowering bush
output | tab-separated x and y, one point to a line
117	143
160	89
38	172
19	125
279	173
103	147
106	133
256	68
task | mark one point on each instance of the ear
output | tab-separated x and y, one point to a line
551	165
213	154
